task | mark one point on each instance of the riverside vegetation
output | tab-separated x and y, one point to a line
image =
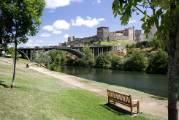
147	56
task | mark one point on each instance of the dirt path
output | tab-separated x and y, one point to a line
148	104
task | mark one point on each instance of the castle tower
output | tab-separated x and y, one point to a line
103	33
138	35
131	34
71	38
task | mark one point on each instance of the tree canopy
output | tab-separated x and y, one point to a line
164	14
20	18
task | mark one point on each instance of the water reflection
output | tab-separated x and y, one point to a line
149	83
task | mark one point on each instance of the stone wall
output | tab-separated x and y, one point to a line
104	34
117	36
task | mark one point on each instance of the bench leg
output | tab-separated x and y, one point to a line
111	101
108	100
131	110
138	107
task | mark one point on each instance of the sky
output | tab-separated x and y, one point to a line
79	18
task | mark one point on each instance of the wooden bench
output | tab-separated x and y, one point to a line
115	97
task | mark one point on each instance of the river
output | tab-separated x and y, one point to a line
149	83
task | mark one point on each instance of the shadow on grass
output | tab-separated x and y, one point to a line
2	84
115	109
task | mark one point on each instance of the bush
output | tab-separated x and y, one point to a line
41	58
70	62
135	62
143	44
116	62
52	59
87	60
89	57
103	61
11	52
158	63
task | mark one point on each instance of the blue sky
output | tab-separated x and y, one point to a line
80	18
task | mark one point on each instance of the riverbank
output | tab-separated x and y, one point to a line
149	83
149	104
38	96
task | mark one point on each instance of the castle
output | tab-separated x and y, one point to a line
103	34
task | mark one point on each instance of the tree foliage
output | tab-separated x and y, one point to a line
88	59
18	20
103	61
158	63
164	14
135	62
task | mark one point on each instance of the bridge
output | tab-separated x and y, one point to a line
78	50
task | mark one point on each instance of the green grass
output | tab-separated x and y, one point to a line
117	42
40	97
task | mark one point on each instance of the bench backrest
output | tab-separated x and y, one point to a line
121	98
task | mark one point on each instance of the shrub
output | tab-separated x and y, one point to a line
88	59
116	62
70	62
52	59
41	58
135	62
158	63
143	44
103	61
11	52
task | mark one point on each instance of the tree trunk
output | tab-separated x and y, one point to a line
173	51
14	69
172	89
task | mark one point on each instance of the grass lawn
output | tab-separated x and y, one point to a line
40	97
117	42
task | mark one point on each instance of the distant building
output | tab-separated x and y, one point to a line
152	32
103	34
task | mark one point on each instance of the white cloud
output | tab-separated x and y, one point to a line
56	27
66	36
88	21
45	35
61	24
99	1
53	4
48	28
56	32
132	21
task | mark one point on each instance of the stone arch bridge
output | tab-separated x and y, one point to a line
78	51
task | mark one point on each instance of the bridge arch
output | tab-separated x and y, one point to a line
23	55
73	51
28	53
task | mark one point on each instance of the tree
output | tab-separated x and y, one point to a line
135	62
89	57
158	63
20	19
103	61
165	16
116	62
